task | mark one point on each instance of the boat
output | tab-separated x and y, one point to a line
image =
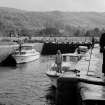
26	54
78	70
69	61
82	49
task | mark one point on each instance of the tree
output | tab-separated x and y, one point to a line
49	32
96	31
87	33
77	33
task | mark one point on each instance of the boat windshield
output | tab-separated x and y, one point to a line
27	47
23	52
64	68
70	58
16	53
82	48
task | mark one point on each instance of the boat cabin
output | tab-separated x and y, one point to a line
71	57
69	61
25	49
82	49
27	46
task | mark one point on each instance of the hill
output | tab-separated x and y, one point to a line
13	19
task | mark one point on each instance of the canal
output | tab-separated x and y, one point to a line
27	84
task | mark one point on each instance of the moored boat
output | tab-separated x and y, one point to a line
68	65
26	54
82	49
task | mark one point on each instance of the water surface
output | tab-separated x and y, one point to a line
26	84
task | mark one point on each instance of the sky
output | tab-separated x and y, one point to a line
59	5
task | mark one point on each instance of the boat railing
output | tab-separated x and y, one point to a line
64	69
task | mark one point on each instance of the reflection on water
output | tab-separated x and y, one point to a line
27	84
51	96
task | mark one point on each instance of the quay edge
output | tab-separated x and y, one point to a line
6	51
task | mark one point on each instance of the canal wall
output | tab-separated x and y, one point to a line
6	58
6	48
38	46
65	44
8	61
63	39
50	48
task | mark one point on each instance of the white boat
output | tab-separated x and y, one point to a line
27	54
68	65
82	49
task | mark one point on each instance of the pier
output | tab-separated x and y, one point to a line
88	88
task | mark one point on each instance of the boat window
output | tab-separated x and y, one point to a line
16	52
27	47
74	58
65	69
82	48
23	52
54	68
33	51
70	58
64	58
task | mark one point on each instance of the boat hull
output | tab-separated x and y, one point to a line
73	77
25	59
53	79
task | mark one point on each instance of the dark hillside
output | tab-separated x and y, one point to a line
12	20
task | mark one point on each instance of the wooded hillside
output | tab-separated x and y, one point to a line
56	23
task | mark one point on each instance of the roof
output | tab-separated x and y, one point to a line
84	47
71	54
28	44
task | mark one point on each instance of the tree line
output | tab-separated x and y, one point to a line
51	31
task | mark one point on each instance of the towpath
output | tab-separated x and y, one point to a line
91	63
